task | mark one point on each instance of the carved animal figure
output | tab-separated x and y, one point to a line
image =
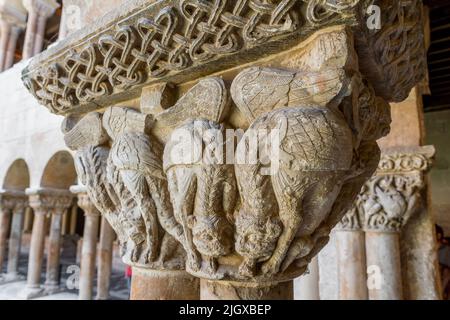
138	159
308	171
203	190
202	187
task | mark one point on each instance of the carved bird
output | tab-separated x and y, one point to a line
203	191
307	166
202	186
138	158
103	186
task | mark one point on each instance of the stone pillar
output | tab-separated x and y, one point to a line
90	237
306	287
12	21
105	258
54	242
215	290
6	206
149	284
5	30
38	13
42	201
11	50
15	238
28	221
73	220
388	200
351	255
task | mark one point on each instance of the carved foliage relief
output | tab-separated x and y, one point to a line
389	198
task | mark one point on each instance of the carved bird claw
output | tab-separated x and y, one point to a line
247	268
270	267
194	262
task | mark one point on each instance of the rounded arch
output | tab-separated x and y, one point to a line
59	173
18	176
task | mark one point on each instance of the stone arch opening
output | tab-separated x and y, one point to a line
59	173
17	177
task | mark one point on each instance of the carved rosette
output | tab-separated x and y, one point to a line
255	209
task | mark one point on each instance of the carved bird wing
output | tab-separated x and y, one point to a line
208	100
257	90
91	164
136	152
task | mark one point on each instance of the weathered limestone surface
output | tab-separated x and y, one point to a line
182	196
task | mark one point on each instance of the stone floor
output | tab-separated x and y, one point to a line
118	290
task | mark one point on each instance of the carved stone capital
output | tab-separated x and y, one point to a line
164	176
393	194
48	200
84	202
13	200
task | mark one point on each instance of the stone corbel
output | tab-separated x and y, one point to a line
245	228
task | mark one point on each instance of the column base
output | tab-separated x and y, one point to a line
11	277
163	285
51	289
232	290
31	293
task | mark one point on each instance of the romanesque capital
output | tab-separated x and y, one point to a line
13	200
83	200
48	200
42	8
393	194
238	176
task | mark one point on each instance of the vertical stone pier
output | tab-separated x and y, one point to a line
15	238
54	242
89	248
38	13
351	254
104	258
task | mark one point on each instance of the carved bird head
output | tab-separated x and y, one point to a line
117	121
212	235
